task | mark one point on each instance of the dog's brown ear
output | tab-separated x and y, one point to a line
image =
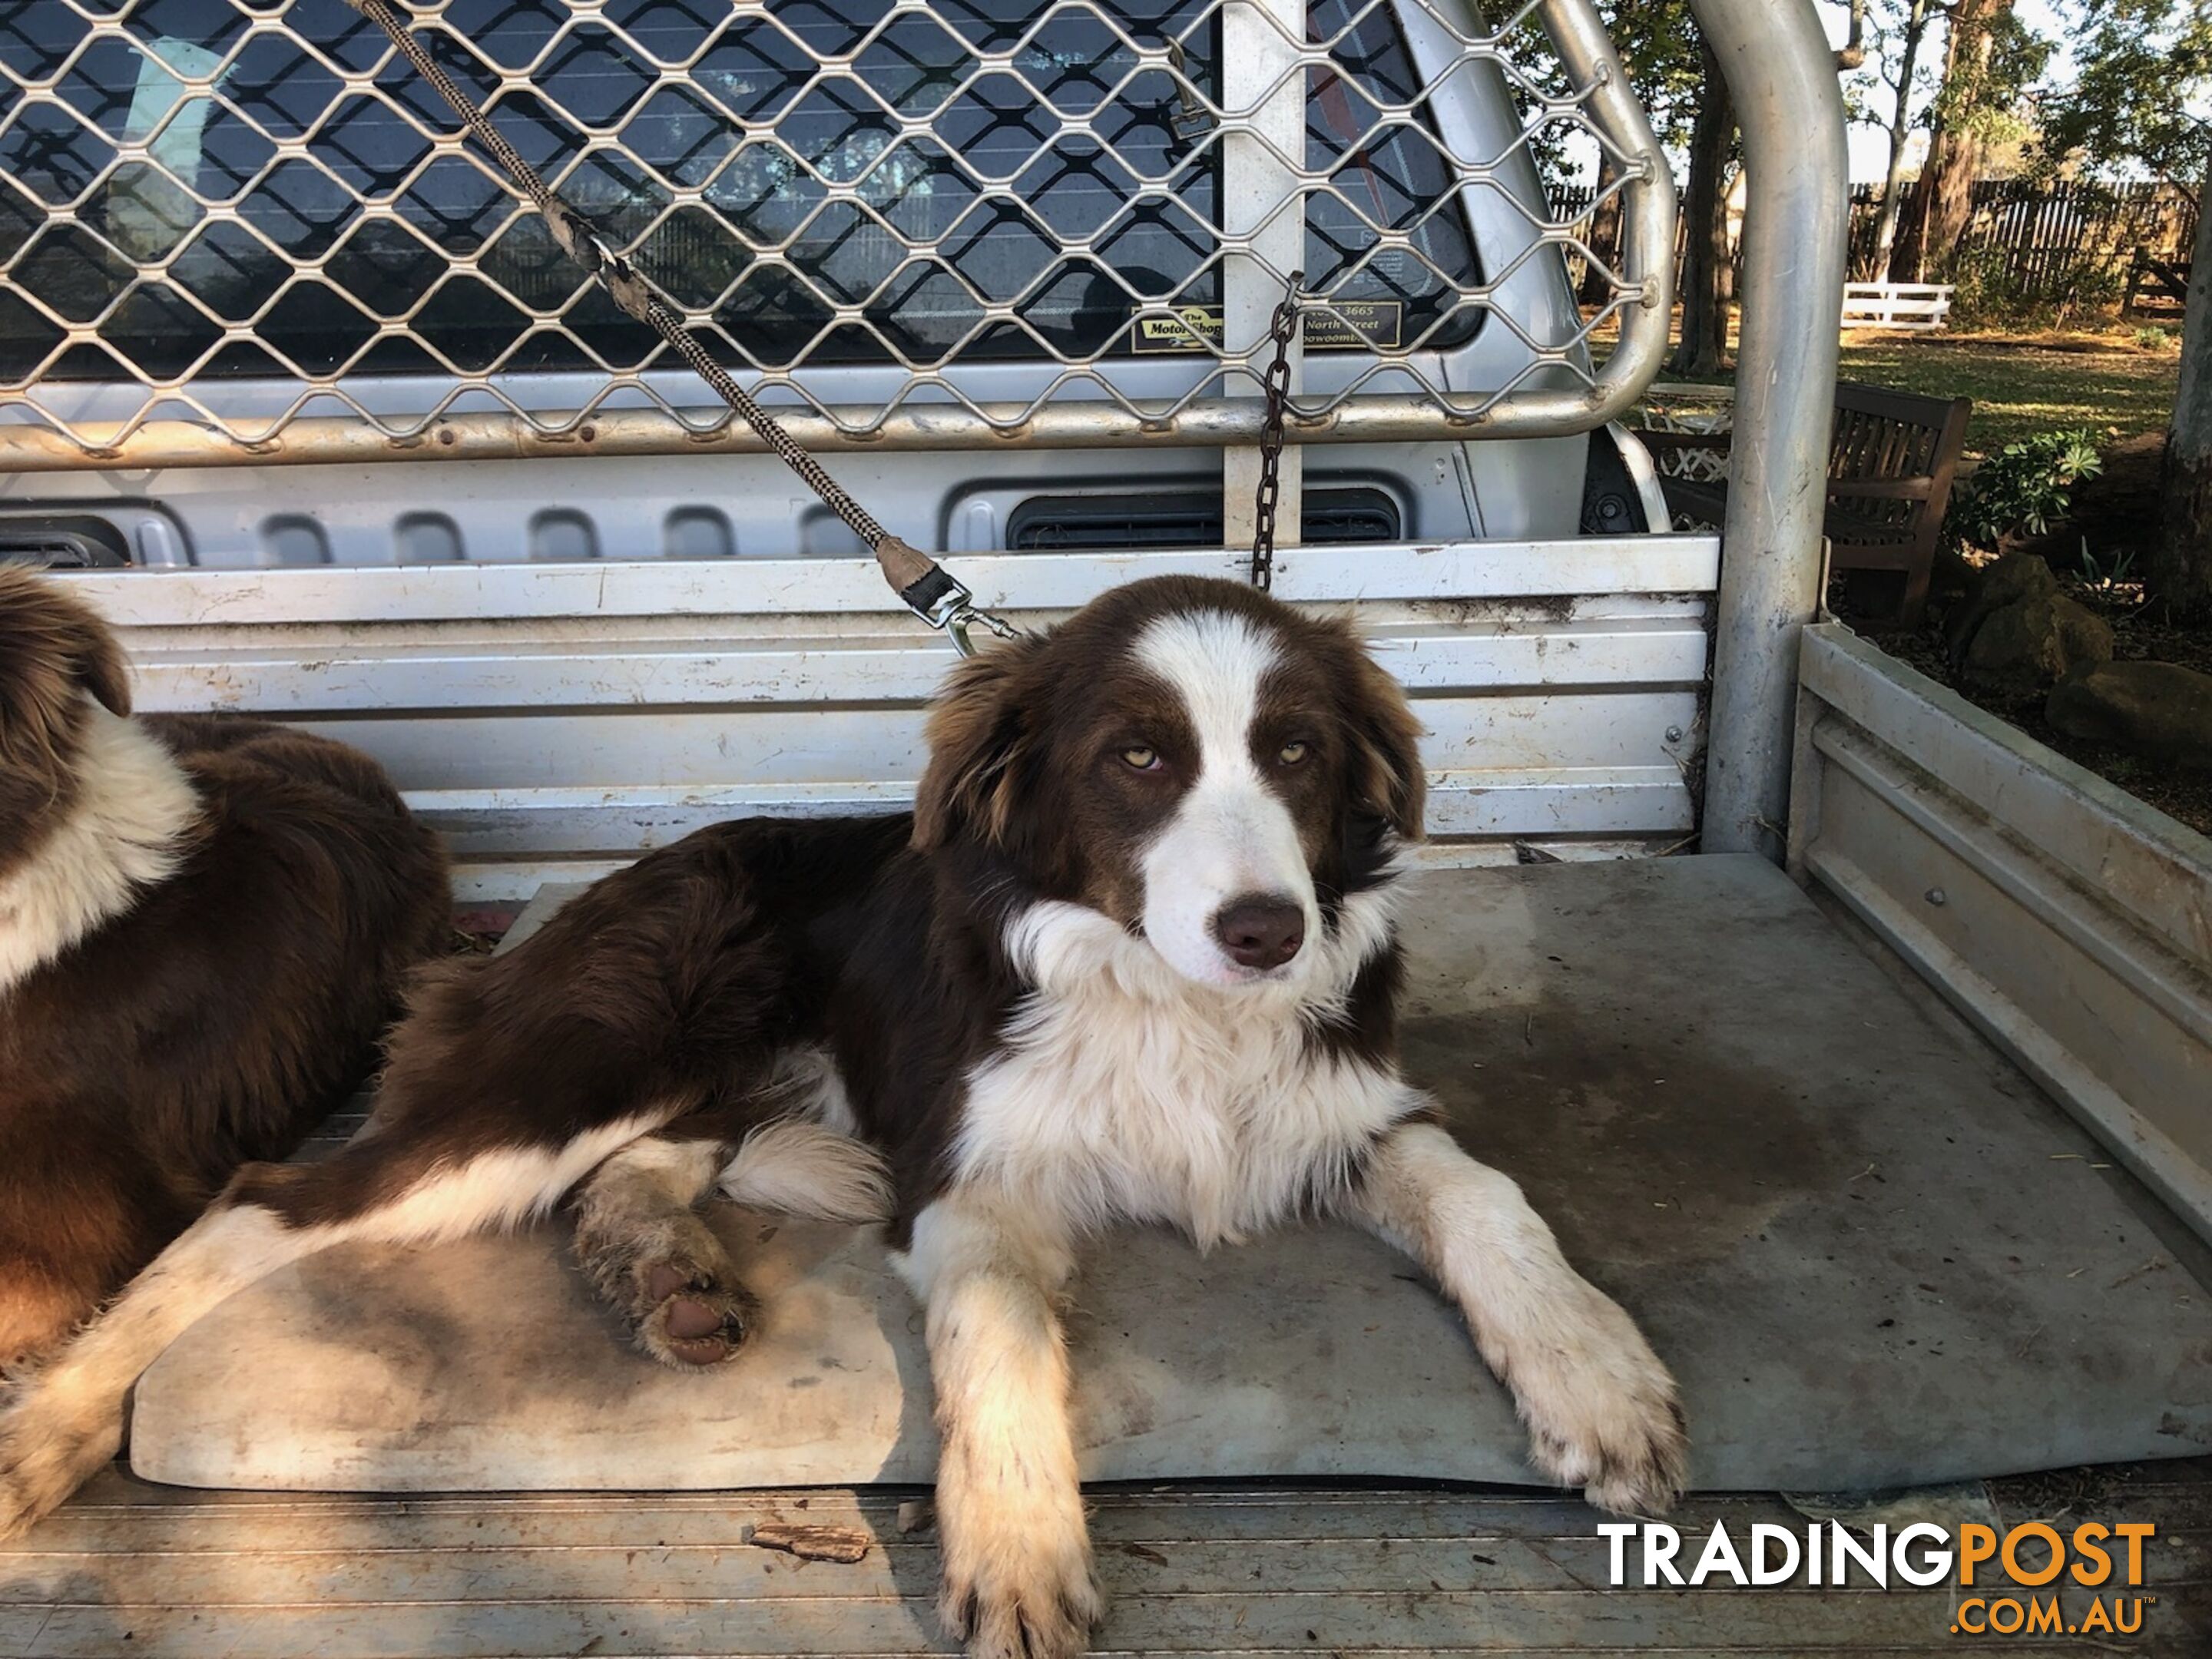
1387	774
975	731
52	650
52	645
105	675
100	665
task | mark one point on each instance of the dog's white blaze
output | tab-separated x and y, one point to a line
1231	835
122	832
67	1418
1126	1090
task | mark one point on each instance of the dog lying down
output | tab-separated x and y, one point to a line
203	927
1131	959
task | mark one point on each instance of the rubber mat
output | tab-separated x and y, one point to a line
1873	1254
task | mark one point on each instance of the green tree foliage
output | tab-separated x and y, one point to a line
1680	86
1658	41
1902	71
1984	90
2144	67
1991	59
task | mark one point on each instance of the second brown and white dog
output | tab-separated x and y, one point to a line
1131	960
203	927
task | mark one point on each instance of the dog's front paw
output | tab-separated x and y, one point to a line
1601	1409
1013	1596
16	1512
1023	1614
45	1455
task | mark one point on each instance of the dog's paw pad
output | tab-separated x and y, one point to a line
693	1321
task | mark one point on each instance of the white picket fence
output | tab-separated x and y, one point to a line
1917	307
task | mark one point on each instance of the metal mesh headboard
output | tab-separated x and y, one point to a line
235	226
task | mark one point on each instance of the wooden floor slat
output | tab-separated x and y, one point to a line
1614	1622
134	1569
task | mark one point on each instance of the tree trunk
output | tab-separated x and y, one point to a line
2179	573
1949	190
1703	346
1604	237
1900	134
1943	206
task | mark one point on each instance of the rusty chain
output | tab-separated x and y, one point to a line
1280	333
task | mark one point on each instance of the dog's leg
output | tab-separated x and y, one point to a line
41	1304
1018	1578
1599	1408
642	1244
399	1186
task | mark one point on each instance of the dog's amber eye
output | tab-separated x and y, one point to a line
1142	757
1291	753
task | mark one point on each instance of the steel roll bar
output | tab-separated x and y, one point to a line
1781	74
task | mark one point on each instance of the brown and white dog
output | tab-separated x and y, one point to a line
1131	960
202	928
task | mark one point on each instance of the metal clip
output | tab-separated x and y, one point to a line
1187	125
957	624
951	609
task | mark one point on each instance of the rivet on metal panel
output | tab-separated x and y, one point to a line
1936	895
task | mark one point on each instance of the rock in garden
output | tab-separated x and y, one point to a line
2016	632
2158	709
1949	574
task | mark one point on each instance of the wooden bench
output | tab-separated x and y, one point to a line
1889	469
2158	289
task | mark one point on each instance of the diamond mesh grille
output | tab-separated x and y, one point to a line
236	214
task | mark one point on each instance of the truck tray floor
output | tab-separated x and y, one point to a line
1874	1254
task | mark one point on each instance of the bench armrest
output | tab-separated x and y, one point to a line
1881	490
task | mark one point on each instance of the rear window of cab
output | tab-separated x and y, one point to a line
984	214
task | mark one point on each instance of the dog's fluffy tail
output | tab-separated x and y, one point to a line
803	1170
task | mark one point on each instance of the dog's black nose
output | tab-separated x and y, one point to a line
1261	930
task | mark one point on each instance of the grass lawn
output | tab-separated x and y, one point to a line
2027	383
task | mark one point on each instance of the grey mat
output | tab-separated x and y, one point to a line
1874	1256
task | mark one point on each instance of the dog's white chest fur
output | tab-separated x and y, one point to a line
1128	1092
123	833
